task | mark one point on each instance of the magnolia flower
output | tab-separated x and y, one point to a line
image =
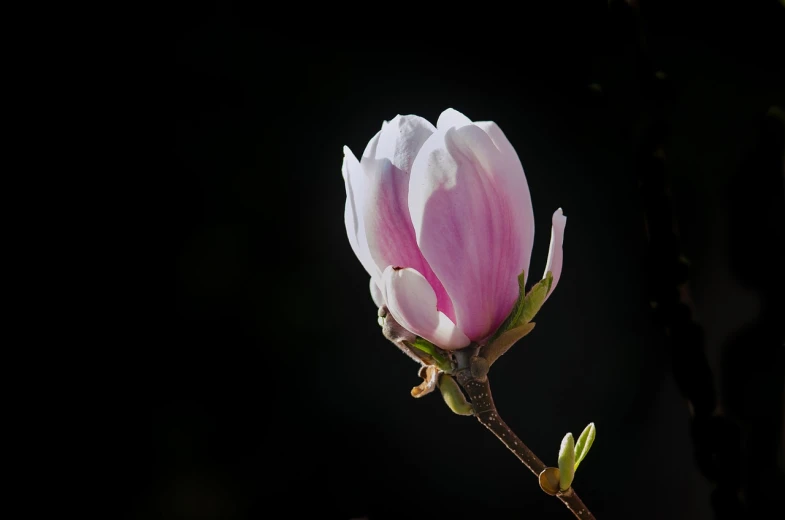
442	220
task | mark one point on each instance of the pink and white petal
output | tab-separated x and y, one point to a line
555	254
354	181
401	139
388	225
412	302
465	228
513	183
452	118
376	294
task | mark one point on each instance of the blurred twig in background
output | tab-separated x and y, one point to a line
734	442
753	366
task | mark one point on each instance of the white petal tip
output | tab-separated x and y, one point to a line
343	165
451	112
452	118
559	219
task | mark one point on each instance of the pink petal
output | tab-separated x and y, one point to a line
513	182
469	221
412	303
555	255
388	225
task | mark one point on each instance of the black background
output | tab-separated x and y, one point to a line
276	396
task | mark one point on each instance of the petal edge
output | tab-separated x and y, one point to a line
555	253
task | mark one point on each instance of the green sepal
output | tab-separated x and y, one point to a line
514	317
518	322
442	361
527	305
584	443
535	298
495	348
566	462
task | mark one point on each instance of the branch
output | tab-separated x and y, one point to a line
478	389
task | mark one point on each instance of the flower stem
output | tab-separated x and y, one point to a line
479	392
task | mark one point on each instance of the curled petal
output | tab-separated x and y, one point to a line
465	207
430	376
355	184
412	302
555	255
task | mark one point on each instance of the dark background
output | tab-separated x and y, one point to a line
276	396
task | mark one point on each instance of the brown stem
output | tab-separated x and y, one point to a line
479	391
